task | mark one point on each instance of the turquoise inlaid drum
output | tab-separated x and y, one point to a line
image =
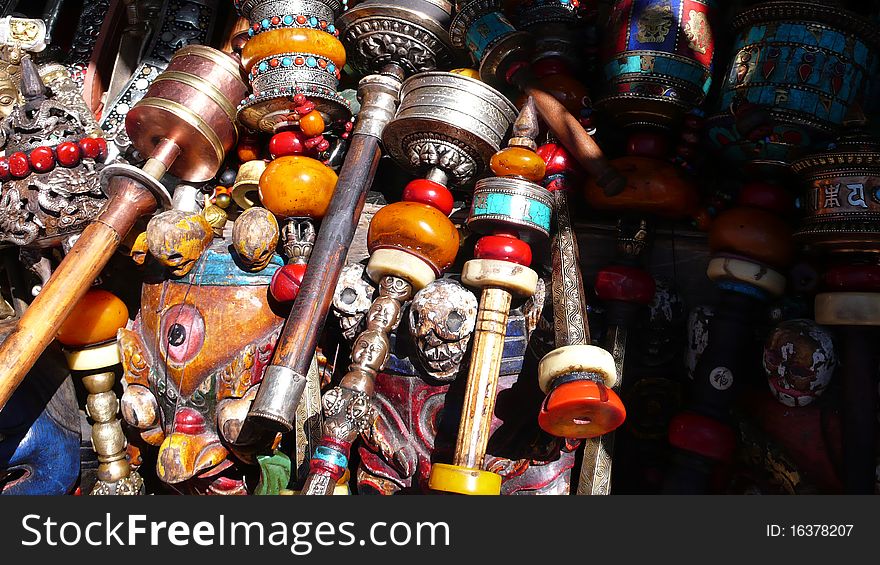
797	70
657	60
521	206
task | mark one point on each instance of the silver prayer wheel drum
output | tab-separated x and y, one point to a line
408	33
448	121
842	197
264	10
511	204
191	104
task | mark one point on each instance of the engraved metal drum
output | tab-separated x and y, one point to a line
842	197
657	60
797	70
448	121
511	203
192	104
411	33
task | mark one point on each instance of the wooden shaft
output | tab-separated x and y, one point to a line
37	327
576	140
482	380
859	372
298	341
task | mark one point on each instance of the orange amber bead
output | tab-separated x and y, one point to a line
248	148
292	40
96	318
471	73
417	228
312	124
753	233
297	187
518	162
653	187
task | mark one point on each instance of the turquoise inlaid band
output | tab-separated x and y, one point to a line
331	456
518	207
485	31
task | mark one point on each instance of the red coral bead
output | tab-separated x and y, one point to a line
549	66
557	159
102	148
853	278
429	192
648	144
504	248
627	284
90	147
68	154
286	282
769	196
286	143
42	159
4	168
19	165
710	438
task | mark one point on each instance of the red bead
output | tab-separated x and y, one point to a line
90	147
102	148
189	421
42	159
549	66
286	282
557	160
710	438
504	248
769	196
300	19
4	168
853	278
286	143
19	165
431	193
275	20
68	154
299	99
648	144
628	284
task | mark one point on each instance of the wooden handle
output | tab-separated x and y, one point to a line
43	318
482	380
576	140
37	327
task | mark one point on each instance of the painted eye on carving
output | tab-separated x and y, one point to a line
183	333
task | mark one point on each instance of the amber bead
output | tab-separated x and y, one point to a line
518	162
752	233
248	148
312	124
292	40
95	319
417	228
653	187
472	73
297	187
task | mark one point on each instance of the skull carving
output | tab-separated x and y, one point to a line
441	320
177	239
352	299
254	237
799	360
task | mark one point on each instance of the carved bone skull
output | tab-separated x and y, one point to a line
352	299
442	318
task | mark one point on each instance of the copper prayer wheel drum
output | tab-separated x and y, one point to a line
842	197
192	104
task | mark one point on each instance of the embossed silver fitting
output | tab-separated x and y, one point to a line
379	95
279	394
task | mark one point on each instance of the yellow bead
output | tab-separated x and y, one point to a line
518	162
472	73
297	187
96	318
461	480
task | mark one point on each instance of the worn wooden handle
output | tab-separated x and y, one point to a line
482	380
43	318
576	140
